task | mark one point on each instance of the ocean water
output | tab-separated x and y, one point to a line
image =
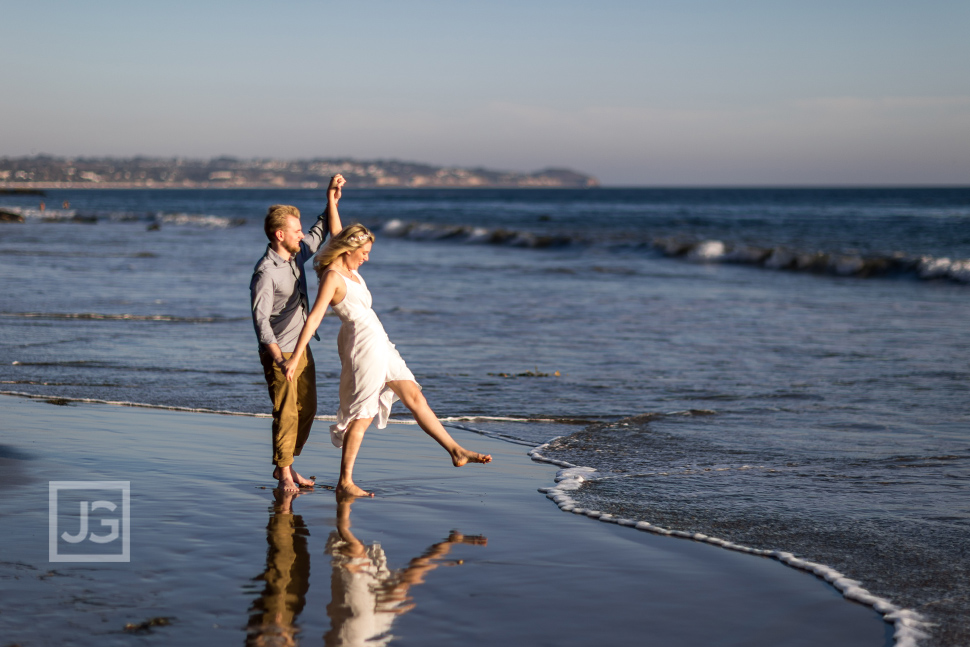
784	369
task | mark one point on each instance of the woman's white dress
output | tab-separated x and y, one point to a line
361	608
368	361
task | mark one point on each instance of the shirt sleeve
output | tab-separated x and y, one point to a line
261	293
316	235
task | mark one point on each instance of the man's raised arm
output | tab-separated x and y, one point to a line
318	232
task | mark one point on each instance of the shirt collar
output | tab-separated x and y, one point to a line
276	258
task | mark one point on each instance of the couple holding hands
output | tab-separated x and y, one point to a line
372	373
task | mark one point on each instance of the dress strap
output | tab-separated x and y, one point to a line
360	282
337	273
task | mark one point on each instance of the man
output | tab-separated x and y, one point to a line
280	304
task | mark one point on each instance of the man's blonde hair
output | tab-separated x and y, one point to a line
349	239
276	218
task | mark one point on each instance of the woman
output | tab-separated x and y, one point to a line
372	374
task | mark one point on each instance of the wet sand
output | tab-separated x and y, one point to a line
441	556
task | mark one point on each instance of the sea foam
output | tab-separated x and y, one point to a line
909	626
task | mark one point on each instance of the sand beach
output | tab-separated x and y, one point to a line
440	556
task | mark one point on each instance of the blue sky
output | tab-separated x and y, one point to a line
636	93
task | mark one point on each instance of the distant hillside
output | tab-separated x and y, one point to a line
44	172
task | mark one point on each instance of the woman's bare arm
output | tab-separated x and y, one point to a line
332	290
334	191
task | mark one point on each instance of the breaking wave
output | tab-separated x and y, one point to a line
691	249
98	316
847	264
154	219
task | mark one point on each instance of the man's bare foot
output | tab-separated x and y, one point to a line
297	478
460	456
284	500
351	489
285	478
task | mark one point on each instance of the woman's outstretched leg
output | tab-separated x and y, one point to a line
352	440
411	396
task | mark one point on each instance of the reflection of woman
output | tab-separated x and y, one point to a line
357	615
366	595
372	374
287	576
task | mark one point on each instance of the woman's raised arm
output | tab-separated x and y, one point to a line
334	192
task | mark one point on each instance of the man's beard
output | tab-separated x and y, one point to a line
293	249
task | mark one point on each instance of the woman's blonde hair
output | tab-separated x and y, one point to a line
349	239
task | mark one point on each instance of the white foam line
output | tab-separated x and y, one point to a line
140	405
682	412
910	626
490	434
164	407
495	419
396	421
684	472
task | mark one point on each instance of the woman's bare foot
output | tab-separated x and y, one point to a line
285	478
456	537
460	456
350	489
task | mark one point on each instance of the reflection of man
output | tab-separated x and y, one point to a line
287	577
366	595
280	304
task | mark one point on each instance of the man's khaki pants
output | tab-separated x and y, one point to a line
294	405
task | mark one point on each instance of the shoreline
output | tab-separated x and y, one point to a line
54	399
539	573
909	625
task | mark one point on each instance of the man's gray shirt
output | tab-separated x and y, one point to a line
279	294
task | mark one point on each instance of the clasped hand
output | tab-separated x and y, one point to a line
289	367
337	183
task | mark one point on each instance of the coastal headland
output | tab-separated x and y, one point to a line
46	172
